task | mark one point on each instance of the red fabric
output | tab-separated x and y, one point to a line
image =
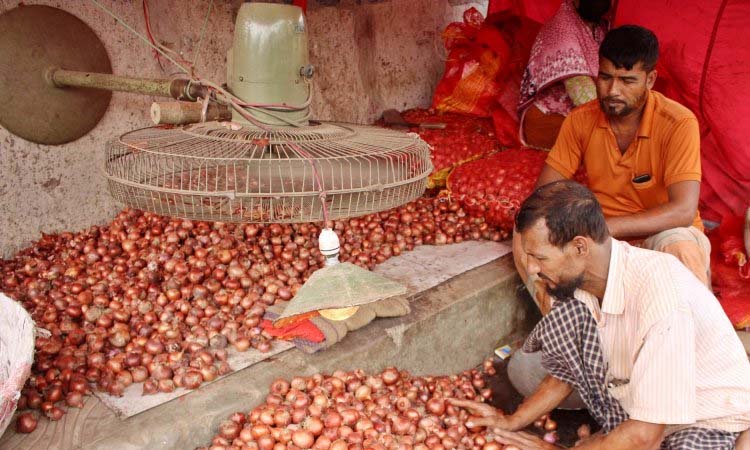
476	57
519	33
565	47
537	10
303	329
506	128
302	4
708	70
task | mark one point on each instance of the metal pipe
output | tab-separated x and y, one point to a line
180	89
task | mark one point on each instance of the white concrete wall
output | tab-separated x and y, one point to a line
369	56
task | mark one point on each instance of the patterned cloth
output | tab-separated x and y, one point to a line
571	352
565	47
305	335
695	438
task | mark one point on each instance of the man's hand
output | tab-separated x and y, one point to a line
486	415
522	440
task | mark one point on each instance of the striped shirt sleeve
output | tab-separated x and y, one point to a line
663	381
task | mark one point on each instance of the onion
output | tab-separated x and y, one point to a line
349	416
332	420
55	413
192	379
390	376
303	438
256	431
436	406
314	425
145	295
280	386
150	387
166	386
229	429
26	423
74	399
282	418
492	445
266	442
340	444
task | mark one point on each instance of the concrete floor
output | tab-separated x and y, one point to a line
452	327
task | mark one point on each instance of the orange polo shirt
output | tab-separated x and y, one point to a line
667	147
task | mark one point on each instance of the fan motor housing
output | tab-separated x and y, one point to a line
269	59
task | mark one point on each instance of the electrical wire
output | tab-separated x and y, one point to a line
236	103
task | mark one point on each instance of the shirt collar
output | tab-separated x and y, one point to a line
613	301
647	120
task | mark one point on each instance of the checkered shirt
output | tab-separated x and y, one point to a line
695	438
571	352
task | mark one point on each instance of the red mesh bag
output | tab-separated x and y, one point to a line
477	55
494	187
730	269
464	138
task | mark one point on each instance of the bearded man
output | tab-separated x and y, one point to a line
642	342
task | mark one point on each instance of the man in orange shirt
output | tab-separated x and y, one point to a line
641	152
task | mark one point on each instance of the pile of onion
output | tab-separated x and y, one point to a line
354	410
549	426
161	302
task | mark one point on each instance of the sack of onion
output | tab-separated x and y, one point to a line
464	138
494	187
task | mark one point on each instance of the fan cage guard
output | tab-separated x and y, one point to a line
209	172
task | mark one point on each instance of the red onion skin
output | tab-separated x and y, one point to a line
26	423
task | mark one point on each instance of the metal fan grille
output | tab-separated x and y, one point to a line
209	172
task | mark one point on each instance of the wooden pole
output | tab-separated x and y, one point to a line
181	113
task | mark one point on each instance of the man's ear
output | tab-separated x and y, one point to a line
651	79
580	246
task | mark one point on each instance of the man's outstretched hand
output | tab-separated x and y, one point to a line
485	415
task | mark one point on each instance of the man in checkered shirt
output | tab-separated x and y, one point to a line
633	332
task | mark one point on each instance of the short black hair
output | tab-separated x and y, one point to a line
569	209
628	45
593	10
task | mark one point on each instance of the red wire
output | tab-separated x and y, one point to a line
148	30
